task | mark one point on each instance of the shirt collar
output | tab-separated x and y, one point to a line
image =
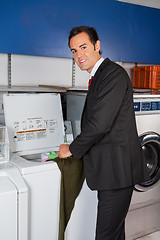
96	66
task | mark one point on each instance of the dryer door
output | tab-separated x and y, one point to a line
150	142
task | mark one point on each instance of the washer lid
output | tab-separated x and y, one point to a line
34	121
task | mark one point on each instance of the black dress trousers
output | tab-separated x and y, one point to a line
113	206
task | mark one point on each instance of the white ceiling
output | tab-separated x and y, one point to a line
147	3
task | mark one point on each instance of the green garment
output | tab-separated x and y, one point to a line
72	178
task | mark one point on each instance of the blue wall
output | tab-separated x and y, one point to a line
128	32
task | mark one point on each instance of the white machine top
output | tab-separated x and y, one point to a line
34	122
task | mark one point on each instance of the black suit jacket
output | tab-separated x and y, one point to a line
108	142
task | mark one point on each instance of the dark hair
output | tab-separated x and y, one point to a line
92	33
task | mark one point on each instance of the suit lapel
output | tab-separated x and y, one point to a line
93	84
98	73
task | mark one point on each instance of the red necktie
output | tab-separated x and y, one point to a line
90	80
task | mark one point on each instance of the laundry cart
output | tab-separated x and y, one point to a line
13	196
35	127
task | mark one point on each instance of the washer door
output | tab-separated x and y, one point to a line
150	142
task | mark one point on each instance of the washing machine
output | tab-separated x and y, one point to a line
13	196
143	216
35	127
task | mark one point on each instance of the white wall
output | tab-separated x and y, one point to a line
29	70
81	77
3	69
35	70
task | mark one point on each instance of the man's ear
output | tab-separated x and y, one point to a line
97	46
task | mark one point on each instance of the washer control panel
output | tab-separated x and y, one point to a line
146	106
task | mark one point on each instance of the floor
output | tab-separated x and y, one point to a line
152	236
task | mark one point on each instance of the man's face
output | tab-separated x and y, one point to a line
84	52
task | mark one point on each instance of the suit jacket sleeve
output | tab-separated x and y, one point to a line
103	103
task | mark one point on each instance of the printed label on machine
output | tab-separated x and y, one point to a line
34	128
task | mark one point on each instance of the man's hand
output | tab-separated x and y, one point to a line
64	151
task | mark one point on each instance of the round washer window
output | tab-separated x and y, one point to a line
151	147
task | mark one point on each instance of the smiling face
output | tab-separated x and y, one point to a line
84	52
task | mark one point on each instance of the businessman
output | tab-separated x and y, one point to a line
108	142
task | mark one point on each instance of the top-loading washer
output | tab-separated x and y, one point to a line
143	216
13	196
35	127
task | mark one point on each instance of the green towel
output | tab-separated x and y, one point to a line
72	178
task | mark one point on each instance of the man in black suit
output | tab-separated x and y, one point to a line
108	142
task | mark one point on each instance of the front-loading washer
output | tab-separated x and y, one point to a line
35	127
143	216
